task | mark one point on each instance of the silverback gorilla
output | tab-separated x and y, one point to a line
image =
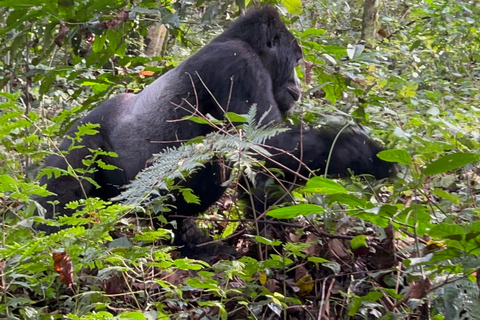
251	63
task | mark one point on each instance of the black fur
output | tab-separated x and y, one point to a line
252	62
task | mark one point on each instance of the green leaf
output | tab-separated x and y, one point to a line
203	283
234	117
99	43
318	260
348	199
201	120
395	155
447	231
313	32
268	242
293	6
189	264
357	302
323	185
359	241
20	4
453	198
87	129
295	211
450	162
189	197
7	183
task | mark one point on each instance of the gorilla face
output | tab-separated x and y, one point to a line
288	94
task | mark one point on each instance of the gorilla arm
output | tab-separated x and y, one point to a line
307	151
353	150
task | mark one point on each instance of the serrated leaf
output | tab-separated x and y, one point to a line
189	197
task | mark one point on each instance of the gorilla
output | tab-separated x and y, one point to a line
251	63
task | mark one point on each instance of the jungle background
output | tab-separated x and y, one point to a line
403	248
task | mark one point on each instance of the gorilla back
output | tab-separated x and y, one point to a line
252	62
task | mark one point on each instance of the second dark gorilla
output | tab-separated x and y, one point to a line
251	63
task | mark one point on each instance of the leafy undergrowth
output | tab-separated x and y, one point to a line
354	249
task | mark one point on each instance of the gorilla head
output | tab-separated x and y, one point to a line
277	49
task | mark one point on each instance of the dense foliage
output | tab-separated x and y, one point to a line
397	249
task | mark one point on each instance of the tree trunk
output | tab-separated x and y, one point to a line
369	24
156	36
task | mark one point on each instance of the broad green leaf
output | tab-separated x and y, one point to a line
323	185
453	198
416	261
295	211
450	162
447	231
348	199
7	183
99	43
395	155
